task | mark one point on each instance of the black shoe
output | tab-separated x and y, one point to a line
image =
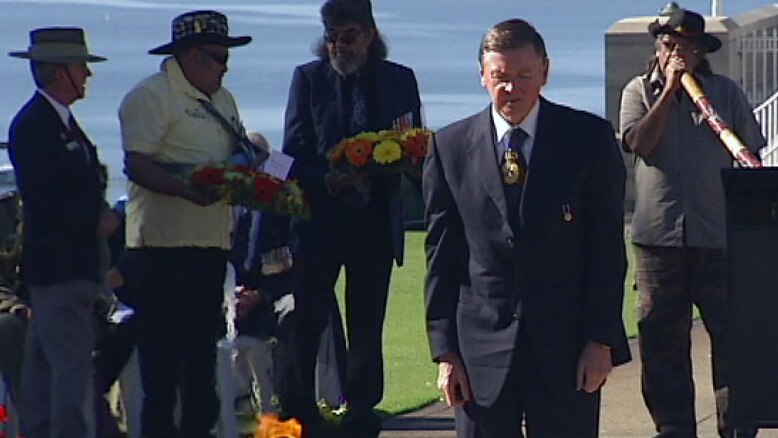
361	424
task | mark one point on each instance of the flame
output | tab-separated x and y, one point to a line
271	427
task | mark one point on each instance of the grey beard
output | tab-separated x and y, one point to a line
346	67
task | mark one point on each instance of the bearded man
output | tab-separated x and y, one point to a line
356	221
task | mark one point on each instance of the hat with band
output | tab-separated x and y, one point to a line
199	27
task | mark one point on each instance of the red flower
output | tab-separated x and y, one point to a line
246	170
266	189
208	176
416	146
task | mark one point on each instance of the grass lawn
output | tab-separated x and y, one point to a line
410	374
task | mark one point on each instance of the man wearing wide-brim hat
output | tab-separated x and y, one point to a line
179	238
678	227
57	175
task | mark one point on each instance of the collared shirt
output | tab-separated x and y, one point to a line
679	196
62	110
162	118
529	125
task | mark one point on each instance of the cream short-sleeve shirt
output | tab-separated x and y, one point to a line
162	118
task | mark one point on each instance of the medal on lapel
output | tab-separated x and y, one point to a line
512	171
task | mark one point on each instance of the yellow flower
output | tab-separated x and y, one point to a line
386	152
369	136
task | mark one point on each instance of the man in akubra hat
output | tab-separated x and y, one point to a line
678	227
56	168
179	239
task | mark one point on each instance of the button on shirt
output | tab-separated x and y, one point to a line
679	196
162	118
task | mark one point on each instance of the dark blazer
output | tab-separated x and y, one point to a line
317	119
61	194
560	278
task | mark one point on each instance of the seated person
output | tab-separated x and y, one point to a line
14	313
264	280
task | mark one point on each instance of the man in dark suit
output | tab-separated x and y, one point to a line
357	220
57	175
525	252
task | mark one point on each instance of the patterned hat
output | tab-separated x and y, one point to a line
199	27
689	25
57	44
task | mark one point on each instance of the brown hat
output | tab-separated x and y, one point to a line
689	25
58	44
199	27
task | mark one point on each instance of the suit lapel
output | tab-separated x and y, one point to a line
46	111
484	163
542	162
65	134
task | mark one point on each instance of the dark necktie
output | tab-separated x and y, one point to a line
511	144
78	135
358	107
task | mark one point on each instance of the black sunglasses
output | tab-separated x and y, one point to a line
219	58
346	38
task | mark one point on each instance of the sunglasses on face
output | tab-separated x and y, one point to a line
346	37
219	58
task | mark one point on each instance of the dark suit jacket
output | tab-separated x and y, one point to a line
560	278
317	119
61	194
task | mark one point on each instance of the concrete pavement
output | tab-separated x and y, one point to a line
623	413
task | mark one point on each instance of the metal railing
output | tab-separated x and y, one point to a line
759	59
767	116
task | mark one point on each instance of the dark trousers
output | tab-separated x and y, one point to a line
365	251
669	281
178	320
527	403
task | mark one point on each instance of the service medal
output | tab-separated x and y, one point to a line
511	170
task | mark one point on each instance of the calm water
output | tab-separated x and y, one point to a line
437	38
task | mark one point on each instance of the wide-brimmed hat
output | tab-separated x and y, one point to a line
199	27
689	25
58	44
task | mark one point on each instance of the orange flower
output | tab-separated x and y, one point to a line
381	152
358	152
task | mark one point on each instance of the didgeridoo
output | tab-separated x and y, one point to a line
731	141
